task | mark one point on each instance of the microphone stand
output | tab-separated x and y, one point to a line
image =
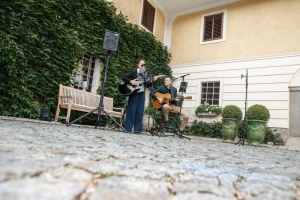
150	129
183	86
242	137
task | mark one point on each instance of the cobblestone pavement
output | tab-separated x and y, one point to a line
40	161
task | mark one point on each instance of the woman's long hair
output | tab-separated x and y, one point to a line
137	65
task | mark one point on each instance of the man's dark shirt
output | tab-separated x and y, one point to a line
164	90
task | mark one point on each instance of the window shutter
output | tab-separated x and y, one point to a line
148	16
208	27
213	27
218	26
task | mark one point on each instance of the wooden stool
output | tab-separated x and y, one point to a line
176	130
162	129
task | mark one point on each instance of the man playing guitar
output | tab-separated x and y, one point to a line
167	88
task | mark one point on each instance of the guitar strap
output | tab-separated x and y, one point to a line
141	74
172	91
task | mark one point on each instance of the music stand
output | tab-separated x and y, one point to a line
100	108
183	86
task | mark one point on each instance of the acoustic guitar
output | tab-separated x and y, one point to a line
128	89
166	98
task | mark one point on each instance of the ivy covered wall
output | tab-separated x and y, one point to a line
41	40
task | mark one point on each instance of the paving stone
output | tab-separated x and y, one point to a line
129	188
48	160
40	188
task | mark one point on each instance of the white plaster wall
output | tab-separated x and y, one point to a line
268	80
296	79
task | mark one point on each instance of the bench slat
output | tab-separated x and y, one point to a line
74	99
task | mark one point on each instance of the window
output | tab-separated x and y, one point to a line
148	16
84	72
210	93
213	27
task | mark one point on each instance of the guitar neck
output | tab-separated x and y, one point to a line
169	99
180	98
140	82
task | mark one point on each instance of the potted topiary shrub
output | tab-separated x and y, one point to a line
231	116
257	118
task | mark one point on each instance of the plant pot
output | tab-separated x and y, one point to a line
230	128
207	114
256	130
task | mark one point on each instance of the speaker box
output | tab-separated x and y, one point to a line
110	43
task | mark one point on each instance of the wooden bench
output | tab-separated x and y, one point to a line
73	99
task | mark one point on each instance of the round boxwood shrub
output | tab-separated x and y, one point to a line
232	111
258	112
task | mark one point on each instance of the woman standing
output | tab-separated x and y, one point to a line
136	102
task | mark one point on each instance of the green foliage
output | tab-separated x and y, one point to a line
258	112
208	108
242	129
232	111
270	136
214	130
205	129
149	110
154	113
41	40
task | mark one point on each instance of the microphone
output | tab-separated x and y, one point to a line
185	75
181	76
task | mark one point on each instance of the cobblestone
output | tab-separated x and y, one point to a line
47	160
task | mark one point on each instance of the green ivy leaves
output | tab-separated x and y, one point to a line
40	40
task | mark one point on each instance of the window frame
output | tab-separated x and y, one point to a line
224	25
200	82
142	15
86	71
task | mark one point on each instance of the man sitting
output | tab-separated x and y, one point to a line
167	88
